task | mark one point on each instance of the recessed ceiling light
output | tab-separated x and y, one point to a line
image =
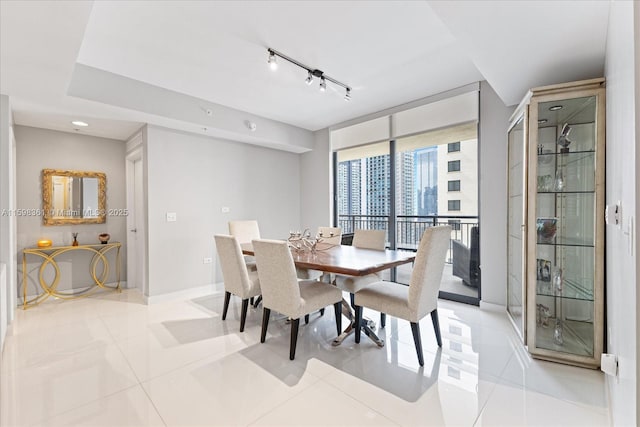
555	108
79	123
542	121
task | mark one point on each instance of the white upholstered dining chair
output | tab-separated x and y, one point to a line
245	232
420	298
282	292
363	239
237	279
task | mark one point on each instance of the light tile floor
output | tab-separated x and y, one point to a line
110	360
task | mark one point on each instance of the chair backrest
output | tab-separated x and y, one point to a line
277	274
427	270
234	269
331	235
369	239
244	231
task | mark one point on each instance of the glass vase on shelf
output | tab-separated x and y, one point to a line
557	280
558	332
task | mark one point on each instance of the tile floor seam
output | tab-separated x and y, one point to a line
37	423
318	379
164	373
146	393
493	388
361	402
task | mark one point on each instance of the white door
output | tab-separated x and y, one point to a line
136	225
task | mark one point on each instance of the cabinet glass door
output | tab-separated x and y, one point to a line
516	225
565	207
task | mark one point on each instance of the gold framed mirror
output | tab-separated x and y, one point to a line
74	197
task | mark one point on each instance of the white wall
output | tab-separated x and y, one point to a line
7	205
195	177
315	183
622	185
39	149
494	120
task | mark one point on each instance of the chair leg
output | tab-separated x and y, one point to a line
306	319
251	300
352	298
358	322
383	320
294	338
243	315
415	328
338	310
322	312
227	296
266	312
436	326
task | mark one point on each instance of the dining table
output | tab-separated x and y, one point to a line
350	261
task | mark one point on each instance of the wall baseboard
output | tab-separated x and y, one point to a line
200	291
489	306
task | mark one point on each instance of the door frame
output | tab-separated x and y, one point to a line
136	245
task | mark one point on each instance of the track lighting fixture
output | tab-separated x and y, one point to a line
311	73
272	61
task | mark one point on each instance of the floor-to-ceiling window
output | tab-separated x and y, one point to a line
416	180
363	187
437	184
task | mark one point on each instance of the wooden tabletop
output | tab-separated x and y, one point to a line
347	260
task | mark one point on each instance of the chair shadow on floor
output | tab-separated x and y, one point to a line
385	368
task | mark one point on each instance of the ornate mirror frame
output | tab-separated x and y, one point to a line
52	217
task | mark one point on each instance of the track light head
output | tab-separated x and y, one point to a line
272	61
323	84
309	78
347	95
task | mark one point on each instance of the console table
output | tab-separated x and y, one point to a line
49	255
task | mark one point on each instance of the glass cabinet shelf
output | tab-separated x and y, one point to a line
570	290
578	338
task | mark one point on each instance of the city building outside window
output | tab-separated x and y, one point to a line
454	205
453	185
453	166
452	147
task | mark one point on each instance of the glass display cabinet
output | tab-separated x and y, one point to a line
563	229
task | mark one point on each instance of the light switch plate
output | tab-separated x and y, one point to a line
172	217
225	209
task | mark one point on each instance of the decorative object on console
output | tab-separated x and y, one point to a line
44	243
75	239
104	238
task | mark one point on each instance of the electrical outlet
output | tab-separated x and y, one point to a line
207	260
225	209
172	217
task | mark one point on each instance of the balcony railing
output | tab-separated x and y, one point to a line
409	228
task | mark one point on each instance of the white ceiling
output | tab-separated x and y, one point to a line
390	52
